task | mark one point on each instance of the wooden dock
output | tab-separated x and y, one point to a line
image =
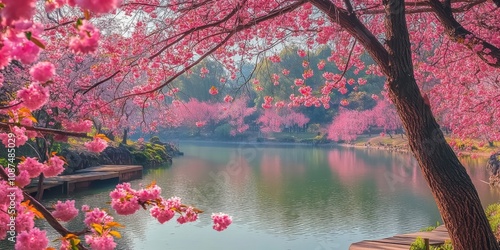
85	177
403	241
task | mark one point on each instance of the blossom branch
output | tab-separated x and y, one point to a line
7	125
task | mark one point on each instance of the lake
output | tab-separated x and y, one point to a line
285	197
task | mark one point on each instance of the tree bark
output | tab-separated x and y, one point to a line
125	136
451	186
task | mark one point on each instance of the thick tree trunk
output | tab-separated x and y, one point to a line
455	195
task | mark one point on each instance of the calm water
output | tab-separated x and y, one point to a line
285	197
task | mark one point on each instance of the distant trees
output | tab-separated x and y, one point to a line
351	123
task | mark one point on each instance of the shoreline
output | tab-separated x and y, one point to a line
392	144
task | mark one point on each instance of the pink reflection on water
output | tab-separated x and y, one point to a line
400	171
270	166
346	165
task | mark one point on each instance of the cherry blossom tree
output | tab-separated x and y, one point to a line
196	114
384	116
275	119
425	49
235	113
349	124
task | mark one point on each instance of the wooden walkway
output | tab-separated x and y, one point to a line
85	177
403	241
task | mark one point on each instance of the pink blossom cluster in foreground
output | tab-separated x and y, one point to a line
126	201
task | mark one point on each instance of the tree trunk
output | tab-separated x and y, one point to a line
125	136
455	195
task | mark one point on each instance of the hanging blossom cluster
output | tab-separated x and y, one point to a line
126	201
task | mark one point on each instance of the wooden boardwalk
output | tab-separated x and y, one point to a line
403	241
85	177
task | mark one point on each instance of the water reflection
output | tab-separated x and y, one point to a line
293	197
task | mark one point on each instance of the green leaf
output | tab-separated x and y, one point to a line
28	35
78	22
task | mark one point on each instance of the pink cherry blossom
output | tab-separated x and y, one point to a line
124	200
42	71
25	219
204	71
84	126
29	123
298	82
26	52
65	211
343	90
221	221
20	134
5	191
96	215
305	90
321	65
344	102
285	72
189	216
65	244
98	242
308	74
200	124
162	214
5	53
275	58
301	53
228	98
32	165
54	4
23	178
150	193
97	145
53	167
267	102
34	239
174	202
86	39
17	10
99	6
213	90
34	96
4	221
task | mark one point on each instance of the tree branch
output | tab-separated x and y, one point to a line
43	210
231	32
357	29
7	125
457	33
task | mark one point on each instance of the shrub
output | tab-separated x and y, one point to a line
430	228
223	131
493	215
418	244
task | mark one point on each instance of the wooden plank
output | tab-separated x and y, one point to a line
87	176
34	188
403	241
112	168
